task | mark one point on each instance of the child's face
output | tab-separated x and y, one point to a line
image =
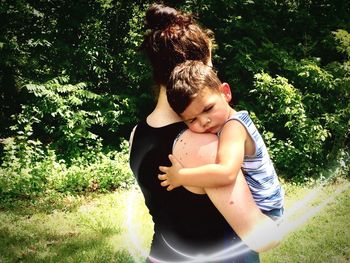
209	110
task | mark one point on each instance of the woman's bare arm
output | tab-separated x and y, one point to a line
236	204
234	201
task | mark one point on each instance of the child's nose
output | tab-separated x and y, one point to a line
205	121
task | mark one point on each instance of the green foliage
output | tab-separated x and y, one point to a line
306	128
24	169
343	37
73	84
91	41
54	149
62	115
295	140
108	172
30	169
288	64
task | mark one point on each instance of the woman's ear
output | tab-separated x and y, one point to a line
226	91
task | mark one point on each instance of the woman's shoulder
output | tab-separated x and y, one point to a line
143	132
194	149
197	138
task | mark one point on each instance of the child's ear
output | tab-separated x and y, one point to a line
226	91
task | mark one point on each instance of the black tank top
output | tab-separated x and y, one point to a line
188	222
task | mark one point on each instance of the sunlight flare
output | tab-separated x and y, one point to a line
289	223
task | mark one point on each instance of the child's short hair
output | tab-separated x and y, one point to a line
186	80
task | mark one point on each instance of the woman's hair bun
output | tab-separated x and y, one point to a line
159	17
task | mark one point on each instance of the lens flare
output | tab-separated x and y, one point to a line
137	250
289	223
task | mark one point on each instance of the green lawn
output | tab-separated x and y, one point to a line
116	227
325	234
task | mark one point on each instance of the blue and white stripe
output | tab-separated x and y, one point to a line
259	170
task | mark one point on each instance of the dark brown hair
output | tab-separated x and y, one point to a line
187	80
172	38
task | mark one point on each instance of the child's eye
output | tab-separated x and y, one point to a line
191	121
208	109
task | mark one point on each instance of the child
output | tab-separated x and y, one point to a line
198	96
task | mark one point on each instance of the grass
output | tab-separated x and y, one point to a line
116	227
325	235
70	229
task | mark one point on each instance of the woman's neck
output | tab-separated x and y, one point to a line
162	114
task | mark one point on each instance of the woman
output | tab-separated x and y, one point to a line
189	223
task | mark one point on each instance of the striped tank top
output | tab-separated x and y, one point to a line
258	169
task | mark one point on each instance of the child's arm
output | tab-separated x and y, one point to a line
229	161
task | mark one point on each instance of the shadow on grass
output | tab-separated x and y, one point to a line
24	246
45	204
56	230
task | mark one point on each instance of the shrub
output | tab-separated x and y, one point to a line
295	140
30	169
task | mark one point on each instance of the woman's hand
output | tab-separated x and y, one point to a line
170	177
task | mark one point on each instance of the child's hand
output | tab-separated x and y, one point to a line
170	176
